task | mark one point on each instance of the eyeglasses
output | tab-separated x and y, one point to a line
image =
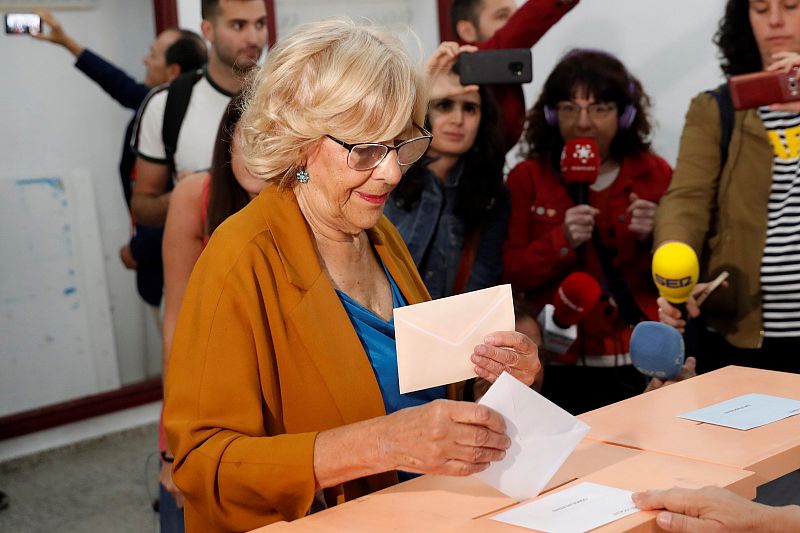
571	110
366	156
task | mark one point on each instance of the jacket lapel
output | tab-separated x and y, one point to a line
327	334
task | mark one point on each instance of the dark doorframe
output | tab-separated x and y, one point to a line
445	32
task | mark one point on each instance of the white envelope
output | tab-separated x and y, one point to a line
435	339
542	437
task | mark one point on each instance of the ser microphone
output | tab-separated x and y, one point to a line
580	166
675	272
657	350
575	297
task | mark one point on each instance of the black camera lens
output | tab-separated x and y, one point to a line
516	68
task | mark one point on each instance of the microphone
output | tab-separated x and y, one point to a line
576	296
580	165
675	272
657	350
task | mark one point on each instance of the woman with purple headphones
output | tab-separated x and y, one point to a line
551	234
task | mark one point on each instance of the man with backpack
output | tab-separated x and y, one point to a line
177	124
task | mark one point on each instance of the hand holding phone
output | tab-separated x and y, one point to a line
22	23
443	82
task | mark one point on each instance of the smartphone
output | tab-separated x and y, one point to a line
764	88
19	23
491	67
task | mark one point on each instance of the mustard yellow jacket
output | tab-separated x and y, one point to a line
722	213
264	357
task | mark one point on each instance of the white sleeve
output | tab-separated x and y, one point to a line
149	143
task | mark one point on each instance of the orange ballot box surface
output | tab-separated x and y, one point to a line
448	504
649	422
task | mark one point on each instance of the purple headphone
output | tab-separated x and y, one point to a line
628	114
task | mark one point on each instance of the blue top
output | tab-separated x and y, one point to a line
435	235
377	337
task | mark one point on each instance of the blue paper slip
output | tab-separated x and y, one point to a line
746	412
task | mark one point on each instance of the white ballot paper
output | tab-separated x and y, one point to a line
435	339
542	437
746	412
581	508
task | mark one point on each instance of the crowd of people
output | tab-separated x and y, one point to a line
303	200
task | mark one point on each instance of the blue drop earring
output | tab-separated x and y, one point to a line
302	176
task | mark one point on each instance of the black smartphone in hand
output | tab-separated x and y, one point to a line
20	23
493	67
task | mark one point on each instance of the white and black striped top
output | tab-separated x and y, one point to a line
780	266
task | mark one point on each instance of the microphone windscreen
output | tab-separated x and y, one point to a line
657	350
580	161
576	296
675	271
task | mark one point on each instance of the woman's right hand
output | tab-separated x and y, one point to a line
579	224
165	476
443	437
670	315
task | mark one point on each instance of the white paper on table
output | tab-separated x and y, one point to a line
581	508
746	412
542	437
435	339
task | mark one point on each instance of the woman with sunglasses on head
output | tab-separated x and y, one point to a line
282	393
589	94
452	207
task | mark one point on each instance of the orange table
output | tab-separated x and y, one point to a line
448	504
635	445
649	422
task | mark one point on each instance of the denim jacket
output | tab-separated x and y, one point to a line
435	236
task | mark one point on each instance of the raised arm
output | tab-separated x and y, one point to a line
114	81
528	24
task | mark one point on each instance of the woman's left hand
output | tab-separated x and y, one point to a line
443	82
785	61
508	351
643	217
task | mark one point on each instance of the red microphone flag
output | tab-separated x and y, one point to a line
580	161
576	296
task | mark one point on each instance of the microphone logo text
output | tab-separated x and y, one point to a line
673	283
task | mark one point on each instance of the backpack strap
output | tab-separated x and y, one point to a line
722	95
178	96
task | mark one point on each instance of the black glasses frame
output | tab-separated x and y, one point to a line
425	135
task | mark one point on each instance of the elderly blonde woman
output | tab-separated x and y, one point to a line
283	375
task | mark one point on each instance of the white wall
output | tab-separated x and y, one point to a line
55	119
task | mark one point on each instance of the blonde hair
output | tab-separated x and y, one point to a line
352	81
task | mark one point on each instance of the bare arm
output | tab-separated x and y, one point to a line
182	245
150	199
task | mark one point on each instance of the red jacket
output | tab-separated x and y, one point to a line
524	29
537	258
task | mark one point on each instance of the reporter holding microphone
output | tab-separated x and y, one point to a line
735	199
584	200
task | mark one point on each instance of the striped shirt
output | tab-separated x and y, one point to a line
780	265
